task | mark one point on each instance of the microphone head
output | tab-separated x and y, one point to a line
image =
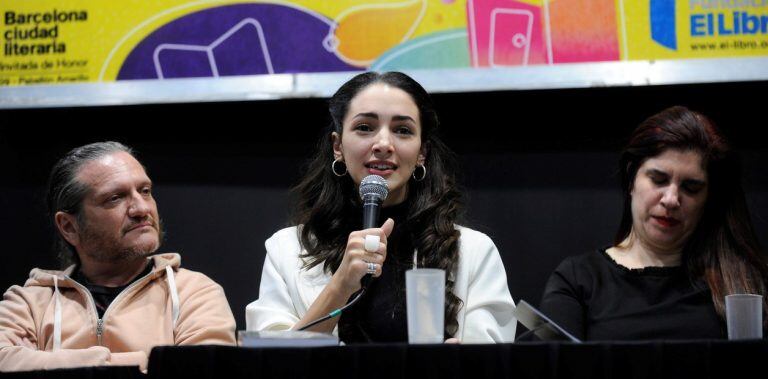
374	185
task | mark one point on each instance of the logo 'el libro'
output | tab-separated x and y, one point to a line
709	18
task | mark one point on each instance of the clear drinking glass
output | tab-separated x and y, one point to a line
425	302
744	315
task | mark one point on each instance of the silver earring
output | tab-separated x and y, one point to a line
423	175
335	171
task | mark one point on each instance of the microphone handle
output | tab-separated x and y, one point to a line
370	220
370	213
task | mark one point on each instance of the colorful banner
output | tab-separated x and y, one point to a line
67	41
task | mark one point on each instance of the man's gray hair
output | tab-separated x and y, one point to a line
65	193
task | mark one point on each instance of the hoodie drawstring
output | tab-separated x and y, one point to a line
174	294
56	315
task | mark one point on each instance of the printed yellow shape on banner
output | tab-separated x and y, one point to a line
362	33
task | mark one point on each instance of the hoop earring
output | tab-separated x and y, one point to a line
423	175
333	168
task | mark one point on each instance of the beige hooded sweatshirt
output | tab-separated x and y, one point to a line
169	306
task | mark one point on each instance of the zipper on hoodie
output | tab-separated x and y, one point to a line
100	322
92	302
99	329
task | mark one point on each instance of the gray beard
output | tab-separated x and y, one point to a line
108	251
120	256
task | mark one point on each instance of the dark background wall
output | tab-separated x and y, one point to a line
539	168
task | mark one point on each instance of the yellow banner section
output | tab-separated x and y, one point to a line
696	28
65	41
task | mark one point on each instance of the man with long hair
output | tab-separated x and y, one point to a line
115	298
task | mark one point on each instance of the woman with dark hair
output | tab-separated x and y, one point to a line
685	242
383	124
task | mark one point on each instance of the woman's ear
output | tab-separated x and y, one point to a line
422	155
336	141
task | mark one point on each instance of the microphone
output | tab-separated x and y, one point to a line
373	192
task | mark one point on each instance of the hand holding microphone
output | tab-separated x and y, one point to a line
364	254
366	249
356	266
358	259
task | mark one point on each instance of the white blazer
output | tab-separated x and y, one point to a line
287	290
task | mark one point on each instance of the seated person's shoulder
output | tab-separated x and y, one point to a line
471	236
476	249
28	294
184	279
477	245
286	235
284	245
38	287
195	280
582	269
590	261
192	275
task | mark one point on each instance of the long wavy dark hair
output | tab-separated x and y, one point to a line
723	250
328	206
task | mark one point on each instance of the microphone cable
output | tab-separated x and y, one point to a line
336	312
